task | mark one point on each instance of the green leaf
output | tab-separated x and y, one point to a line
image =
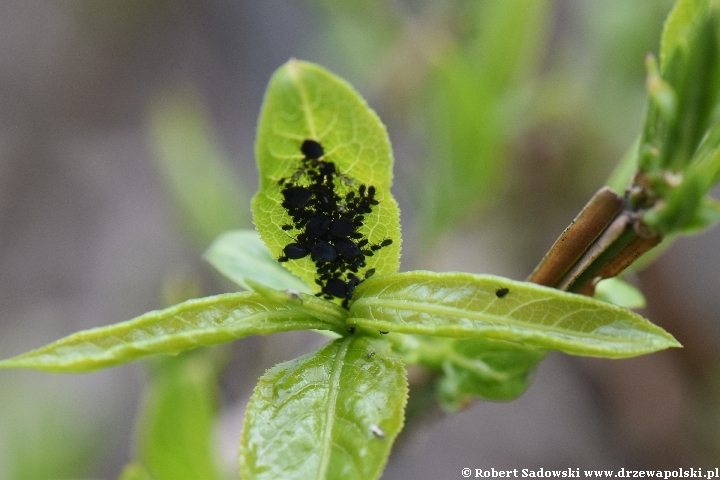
690	74
241	255
304	101
476	367
331	414
195	323
176	434
134	471
619	292
207	194
463	305
682	16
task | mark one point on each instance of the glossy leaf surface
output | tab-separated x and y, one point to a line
459	304
241	255
191	324
304	101
330	414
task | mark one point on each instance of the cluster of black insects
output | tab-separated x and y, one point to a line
328	223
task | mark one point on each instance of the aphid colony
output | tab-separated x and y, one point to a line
327	225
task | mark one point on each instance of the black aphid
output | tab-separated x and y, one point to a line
337	288
295	251
347	248
328	225
312	149
501	292
351	330
296	196
322	252
342	227
317	225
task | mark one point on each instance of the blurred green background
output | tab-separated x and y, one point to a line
126	146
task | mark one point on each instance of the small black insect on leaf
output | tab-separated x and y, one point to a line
327	224
312	149
501	292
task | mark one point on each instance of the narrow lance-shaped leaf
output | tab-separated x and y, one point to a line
348	157
460	304
331	414
241	255
191	324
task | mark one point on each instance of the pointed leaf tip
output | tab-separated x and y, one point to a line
462	305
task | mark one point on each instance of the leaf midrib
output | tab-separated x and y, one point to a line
443	310
333	391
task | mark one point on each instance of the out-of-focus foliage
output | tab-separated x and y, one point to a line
177	424
463	67
205	191
679	153
44	436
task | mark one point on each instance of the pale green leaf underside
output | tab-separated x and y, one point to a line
461	304
242	255
191	324
331	414
304	101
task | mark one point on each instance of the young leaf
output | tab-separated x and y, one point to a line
331	414
680	19
462	305
241	255
304	101
476	367
176	429
195	323
620	293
